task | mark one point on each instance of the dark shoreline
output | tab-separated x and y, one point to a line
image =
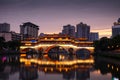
10	53
109	54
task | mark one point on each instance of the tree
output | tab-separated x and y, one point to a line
104	43
2	42
14	45
116	40
96	45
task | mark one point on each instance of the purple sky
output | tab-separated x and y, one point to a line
51	15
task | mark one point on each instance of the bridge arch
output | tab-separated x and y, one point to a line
83	53
28	49
54	46
57	53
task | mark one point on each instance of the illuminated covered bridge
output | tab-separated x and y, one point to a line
56	43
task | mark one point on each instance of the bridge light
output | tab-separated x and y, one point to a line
45	69
51	69
66	38
45	38
112	67
117	69
22	55
52	38
60	38
28	44
60	69
66	69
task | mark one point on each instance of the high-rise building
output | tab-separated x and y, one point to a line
116	28
83	31
4	27
29	30
93	36
69	30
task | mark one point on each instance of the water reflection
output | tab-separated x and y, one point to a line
108	65
76	69
35	68
8	65
28	72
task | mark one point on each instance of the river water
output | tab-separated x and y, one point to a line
15	67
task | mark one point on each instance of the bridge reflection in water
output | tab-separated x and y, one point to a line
55	63
34	68
69	69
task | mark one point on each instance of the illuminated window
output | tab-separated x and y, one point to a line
45	38
66	38
60	38
28	44
52	38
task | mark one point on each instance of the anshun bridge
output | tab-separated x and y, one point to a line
55	42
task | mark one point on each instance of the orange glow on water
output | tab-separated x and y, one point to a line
43	62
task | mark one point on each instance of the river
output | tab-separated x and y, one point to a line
23	67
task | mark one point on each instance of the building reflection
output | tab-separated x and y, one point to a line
82	74
8	66
28	73
69	75
108	65
76	69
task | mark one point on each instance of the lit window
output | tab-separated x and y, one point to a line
28	44
60	38
45	38
66	38
52	38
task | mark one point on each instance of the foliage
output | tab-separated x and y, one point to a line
13	45
10	45
107	44
2	42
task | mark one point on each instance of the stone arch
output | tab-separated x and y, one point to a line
57	53
71	50
83	53
50	47
26	49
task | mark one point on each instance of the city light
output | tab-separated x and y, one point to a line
43	62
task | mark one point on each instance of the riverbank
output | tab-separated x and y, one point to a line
9	52
110	54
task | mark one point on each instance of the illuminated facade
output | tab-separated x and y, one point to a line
49	41
75	69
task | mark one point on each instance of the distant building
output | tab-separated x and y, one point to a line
9	36
29	30
4	27
69	30
116	28
93	36
41	35
83	31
